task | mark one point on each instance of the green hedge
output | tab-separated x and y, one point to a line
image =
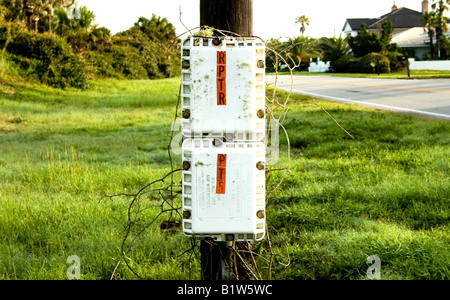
370	63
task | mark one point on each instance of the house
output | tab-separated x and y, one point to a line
402	19
408	29
416	40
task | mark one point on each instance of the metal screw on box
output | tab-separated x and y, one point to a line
185	64
260	114
186	114
260	214
216	41
186	214
186	165
260	64
260	166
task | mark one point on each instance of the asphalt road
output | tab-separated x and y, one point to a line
421	96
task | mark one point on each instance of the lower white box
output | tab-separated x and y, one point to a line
224	189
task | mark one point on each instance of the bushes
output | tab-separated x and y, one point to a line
345	64
395	64
370	53
374	63
45	56
127	61
139	52
148	50
370	63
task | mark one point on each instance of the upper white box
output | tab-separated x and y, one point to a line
223	87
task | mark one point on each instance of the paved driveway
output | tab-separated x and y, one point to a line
422	96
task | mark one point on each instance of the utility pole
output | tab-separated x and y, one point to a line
218	259
231	15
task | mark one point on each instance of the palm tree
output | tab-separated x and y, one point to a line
33	9
28	10
73	20
445	42
304	21
32	13
40	9
301	49
441	6
430	21
333	48
51	5
77	26
99	36
14	11
157	29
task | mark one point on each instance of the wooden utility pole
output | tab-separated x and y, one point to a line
218	259
231	15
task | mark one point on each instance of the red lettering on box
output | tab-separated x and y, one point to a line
221	173
221	78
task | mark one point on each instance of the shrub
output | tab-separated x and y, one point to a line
345	64
46	56
373	62
128	61
148	50
394	63
100	64
365	42
160	58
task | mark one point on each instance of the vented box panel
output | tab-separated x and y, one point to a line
223	88
224	190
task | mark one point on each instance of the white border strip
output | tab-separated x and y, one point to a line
364	103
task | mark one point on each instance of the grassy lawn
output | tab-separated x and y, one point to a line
414	74
385	193
60	152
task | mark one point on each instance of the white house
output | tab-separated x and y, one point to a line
402	19
408	29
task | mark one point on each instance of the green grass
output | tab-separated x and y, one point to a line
60	152
414	74
385	193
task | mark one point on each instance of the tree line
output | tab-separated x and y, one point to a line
365	53
59	43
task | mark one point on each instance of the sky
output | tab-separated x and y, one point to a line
272	18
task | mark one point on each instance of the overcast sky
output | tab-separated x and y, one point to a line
272	18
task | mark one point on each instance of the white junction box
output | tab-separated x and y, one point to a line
223	190
223	87
223	125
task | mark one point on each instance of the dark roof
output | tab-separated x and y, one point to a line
356	23
400	18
